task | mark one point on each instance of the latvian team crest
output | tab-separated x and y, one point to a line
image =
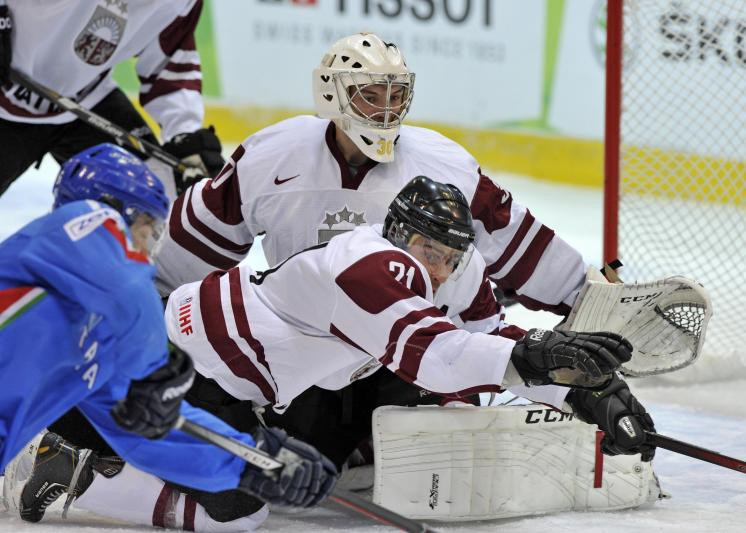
99	38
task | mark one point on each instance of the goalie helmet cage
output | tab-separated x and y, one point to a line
675	153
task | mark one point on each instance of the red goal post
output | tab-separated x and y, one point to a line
675	153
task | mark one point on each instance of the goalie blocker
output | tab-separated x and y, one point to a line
475	463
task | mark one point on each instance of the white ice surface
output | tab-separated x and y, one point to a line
705	497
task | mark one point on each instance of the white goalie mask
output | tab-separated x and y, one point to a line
365	87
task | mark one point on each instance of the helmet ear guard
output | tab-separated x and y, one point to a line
350	65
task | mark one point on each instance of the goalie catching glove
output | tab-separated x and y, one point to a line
586	360
307	478
151	407
618	413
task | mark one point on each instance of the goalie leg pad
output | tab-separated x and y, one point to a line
476	463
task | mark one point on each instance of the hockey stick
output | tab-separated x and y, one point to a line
120	135
691	450
339	496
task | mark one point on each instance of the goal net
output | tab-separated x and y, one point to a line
675	195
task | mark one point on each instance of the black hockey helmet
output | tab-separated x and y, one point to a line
436	210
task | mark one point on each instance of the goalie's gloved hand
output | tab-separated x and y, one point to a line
201	149
151	407
569	358
618	413
306	479
6	52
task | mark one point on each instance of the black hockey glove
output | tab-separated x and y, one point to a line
151	407
6	52
306	479
569	358
200	148
618	413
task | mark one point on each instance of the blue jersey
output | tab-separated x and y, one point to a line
79	319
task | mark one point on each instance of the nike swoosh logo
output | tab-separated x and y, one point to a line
278	181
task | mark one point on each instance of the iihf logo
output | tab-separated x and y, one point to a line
340	222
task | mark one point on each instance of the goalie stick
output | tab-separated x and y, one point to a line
119	134
339	496
696	452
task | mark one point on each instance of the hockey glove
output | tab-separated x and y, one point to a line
618	413
569	358
306	479
6	52
151	407
201	149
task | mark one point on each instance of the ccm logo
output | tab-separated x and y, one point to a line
534	416
641	298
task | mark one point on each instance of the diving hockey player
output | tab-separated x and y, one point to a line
390	295
71	47
308	178
81	324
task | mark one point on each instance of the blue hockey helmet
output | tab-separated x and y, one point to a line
110	174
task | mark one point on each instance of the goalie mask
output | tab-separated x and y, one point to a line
432	221
365	87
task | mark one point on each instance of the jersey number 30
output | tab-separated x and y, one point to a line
401	271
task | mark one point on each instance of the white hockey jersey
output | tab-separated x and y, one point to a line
291	181
72	45
337	312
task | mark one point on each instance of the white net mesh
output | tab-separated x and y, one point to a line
682	206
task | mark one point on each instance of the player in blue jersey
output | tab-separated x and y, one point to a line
81	324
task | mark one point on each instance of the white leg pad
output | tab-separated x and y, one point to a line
476	463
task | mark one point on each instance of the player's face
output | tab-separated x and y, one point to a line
145	232
370	101
439	260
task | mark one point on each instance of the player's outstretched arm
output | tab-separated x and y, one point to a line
618	413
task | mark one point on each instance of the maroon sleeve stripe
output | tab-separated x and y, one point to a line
217	335
526	265
334	330
171	67
186	240
242	320
396	330
190	510
224	201
161	87
526	224
512	332
161	506
416	345
212	235
180	33
536	305
482	306
491	204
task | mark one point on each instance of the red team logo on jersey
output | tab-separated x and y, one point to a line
99	38
185	316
